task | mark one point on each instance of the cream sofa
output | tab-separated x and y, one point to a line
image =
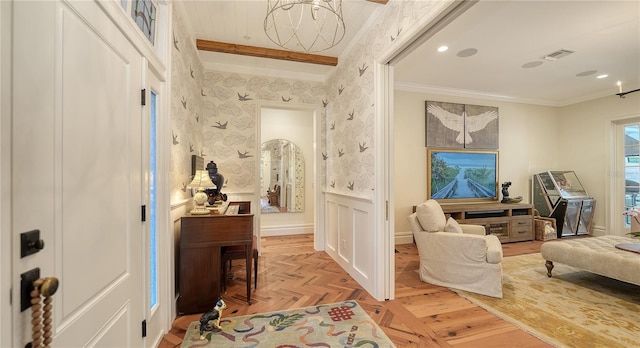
456	255
597	255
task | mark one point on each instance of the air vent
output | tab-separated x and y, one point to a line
561	53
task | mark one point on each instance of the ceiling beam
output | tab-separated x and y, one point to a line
263	52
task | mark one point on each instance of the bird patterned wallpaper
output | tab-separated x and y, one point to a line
214	113
186	109
230	107
351	111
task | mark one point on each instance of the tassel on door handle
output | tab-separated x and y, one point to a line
41	315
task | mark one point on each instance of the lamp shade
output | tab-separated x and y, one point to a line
201	179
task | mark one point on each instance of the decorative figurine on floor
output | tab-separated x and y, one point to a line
505	194
213	315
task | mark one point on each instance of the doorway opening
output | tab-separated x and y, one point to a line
287	170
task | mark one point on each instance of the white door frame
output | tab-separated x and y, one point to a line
383	66
614	196
159	320
6	32
319	233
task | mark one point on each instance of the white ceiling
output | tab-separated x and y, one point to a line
242	21
604	35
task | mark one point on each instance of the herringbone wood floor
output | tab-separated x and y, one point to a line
292	274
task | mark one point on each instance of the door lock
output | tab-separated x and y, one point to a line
30	243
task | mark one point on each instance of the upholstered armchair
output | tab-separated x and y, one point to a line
456	255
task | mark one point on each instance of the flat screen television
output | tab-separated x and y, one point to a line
462	175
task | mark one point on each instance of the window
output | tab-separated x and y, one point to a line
143	13
153	231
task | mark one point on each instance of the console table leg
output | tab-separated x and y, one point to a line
549	265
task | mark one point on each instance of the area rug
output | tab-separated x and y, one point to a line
573	308
269	209
343	324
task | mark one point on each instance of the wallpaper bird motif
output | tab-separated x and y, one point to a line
227	105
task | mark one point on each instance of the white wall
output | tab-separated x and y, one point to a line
297	127
586	148
528	140
532	139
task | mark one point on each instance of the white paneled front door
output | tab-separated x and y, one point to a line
76	174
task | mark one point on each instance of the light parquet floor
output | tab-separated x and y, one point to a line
291	275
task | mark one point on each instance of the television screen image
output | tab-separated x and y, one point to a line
462	175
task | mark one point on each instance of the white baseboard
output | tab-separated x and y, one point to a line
597	231
403	237
285	230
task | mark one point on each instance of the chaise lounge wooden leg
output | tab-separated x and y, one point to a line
549	265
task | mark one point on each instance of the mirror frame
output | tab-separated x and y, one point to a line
290	178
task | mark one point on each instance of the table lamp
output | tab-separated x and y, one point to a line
201	181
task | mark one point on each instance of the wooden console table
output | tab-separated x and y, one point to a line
201	240
510	222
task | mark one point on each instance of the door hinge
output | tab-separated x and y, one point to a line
143	213
143	97
387	210
144	328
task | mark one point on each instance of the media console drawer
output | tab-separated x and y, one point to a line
510	222
521	229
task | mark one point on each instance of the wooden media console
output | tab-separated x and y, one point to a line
510	222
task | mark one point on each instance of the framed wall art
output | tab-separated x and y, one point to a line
461	126
462	175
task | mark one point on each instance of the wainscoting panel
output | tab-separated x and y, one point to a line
332	228
350	236
363	242
345	233
178	210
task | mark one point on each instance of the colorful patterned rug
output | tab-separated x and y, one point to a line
574	308
343	324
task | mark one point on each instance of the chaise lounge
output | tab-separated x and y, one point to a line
598	255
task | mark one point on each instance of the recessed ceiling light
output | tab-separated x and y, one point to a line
442	48
602	76
586	73
467	52
532	64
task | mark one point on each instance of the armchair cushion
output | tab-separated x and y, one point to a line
473	229
430	216
452	226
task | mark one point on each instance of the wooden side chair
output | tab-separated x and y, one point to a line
274	196
237	252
